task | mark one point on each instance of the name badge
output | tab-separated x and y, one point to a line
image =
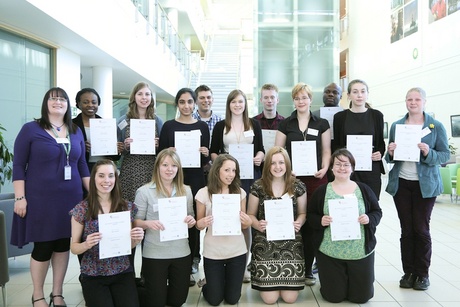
248	133
122	124
67	172
312	131
62	140
425	131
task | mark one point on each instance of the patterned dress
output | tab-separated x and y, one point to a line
135	171
276	265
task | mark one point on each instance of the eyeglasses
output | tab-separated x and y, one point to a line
60	99
297	99
342	165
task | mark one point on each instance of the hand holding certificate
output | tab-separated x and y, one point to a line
172	212
345	224
143	135
187	144
407	138
304	161
115	229
103	136
280	219
361	148
226	214
244	153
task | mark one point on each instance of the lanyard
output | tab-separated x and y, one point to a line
67	146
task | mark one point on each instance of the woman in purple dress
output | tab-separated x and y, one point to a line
48	170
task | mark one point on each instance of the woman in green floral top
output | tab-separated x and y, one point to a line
345	263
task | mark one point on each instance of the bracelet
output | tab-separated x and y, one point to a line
19	198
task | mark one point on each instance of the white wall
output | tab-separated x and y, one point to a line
391	69
112	26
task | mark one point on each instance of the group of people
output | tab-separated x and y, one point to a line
60	191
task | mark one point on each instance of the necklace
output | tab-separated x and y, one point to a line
58	128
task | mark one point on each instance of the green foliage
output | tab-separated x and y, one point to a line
6	158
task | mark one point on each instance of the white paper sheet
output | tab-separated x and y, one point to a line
279	215
360	147
344	213
103	136
143	134
187	144
172	212
328	114
226	214
115	229
244	154
268	137
406	138
304	161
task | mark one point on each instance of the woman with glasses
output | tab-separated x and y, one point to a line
361	119
300	126
49	169
345	262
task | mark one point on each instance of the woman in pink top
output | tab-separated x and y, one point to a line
224	255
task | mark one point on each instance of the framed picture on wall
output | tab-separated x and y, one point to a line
455	125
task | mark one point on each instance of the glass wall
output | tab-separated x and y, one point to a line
296	41
25	76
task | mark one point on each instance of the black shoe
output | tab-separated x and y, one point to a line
192	281
407	281
421	283
52	296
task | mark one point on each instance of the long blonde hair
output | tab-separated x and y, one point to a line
178	181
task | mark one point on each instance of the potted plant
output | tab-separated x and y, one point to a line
6	157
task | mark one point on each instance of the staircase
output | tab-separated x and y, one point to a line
221	69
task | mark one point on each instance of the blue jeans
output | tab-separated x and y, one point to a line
224	279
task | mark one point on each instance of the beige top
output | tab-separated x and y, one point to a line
220	247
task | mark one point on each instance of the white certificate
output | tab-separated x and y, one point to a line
244	154
304	161
226	214
328	114
360	147
406	138
103	136
268	137
143	135
172	212
115	229
187	144
345	214
280	219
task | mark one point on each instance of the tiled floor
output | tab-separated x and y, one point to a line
444	274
